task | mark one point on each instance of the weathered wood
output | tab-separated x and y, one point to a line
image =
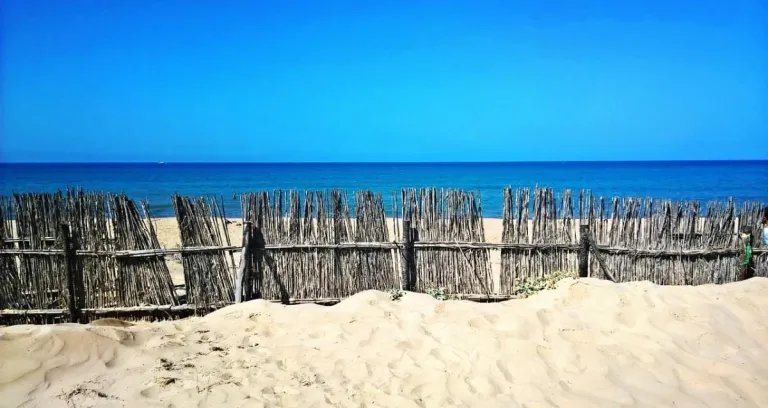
448	217
493	245
600	261
317	250
391	245
98	222
208	276
74	285
409	261
112	310
662	253
160	308
242	280
256	280
290	247
35	312
15	240
171	309
132	282
583	251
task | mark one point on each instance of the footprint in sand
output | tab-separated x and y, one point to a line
492	319
545	317
368	340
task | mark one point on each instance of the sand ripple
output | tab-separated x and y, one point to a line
588	343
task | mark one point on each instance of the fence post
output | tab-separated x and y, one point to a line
242	282
74	285
409	260
599	258
258	244
584	251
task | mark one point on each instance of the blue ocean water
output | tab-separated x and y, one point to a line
154	182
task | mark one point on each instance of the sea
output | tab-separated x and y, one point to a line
156	182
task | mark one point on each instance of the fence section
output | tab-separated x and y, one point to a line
375	267
313	249
670	243
41	274
106	230
447	223
207	273
107	225
537	245
99	252
10	283
751	218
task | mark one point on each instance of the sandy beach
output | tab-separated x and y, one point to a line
589	138
588	343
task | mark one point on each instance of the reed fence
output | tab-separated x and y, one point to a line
77	255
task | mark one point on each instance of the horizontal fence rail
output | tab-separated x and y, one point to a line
395	245
79	255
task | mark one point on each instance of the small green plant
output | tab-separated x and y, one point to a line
530	286
437	293
396	294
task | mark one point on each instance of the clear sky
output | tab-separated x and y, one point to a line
194	80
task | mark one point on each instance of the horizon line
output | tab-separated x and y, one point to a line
397	162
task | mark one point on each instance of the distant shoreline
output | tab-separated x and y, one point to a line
155	183
692	161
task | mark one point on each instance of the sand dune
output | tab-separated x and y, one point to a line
588	343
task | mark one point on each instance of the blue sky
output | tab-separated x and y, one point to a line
127	80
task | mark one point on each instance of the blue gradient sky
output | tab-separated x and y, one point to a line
359	81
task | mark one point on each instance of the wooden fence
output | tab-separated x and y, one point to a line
78	255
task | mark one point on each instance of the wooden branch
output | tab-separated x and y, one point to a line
34	312
49	252
140	253
497	246
600	260
171	309
15	240
192	250
583	251
143	309
74	288
482	298
408	269
242	268
674	253
385	245
111	310
169	251
341	245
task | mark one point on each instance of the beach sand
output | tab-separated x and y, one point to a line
588	343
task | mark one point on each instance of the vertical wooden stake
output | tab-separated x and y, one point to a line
241	281
259	257
409	260
583	251
414	238
73	284
745	257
